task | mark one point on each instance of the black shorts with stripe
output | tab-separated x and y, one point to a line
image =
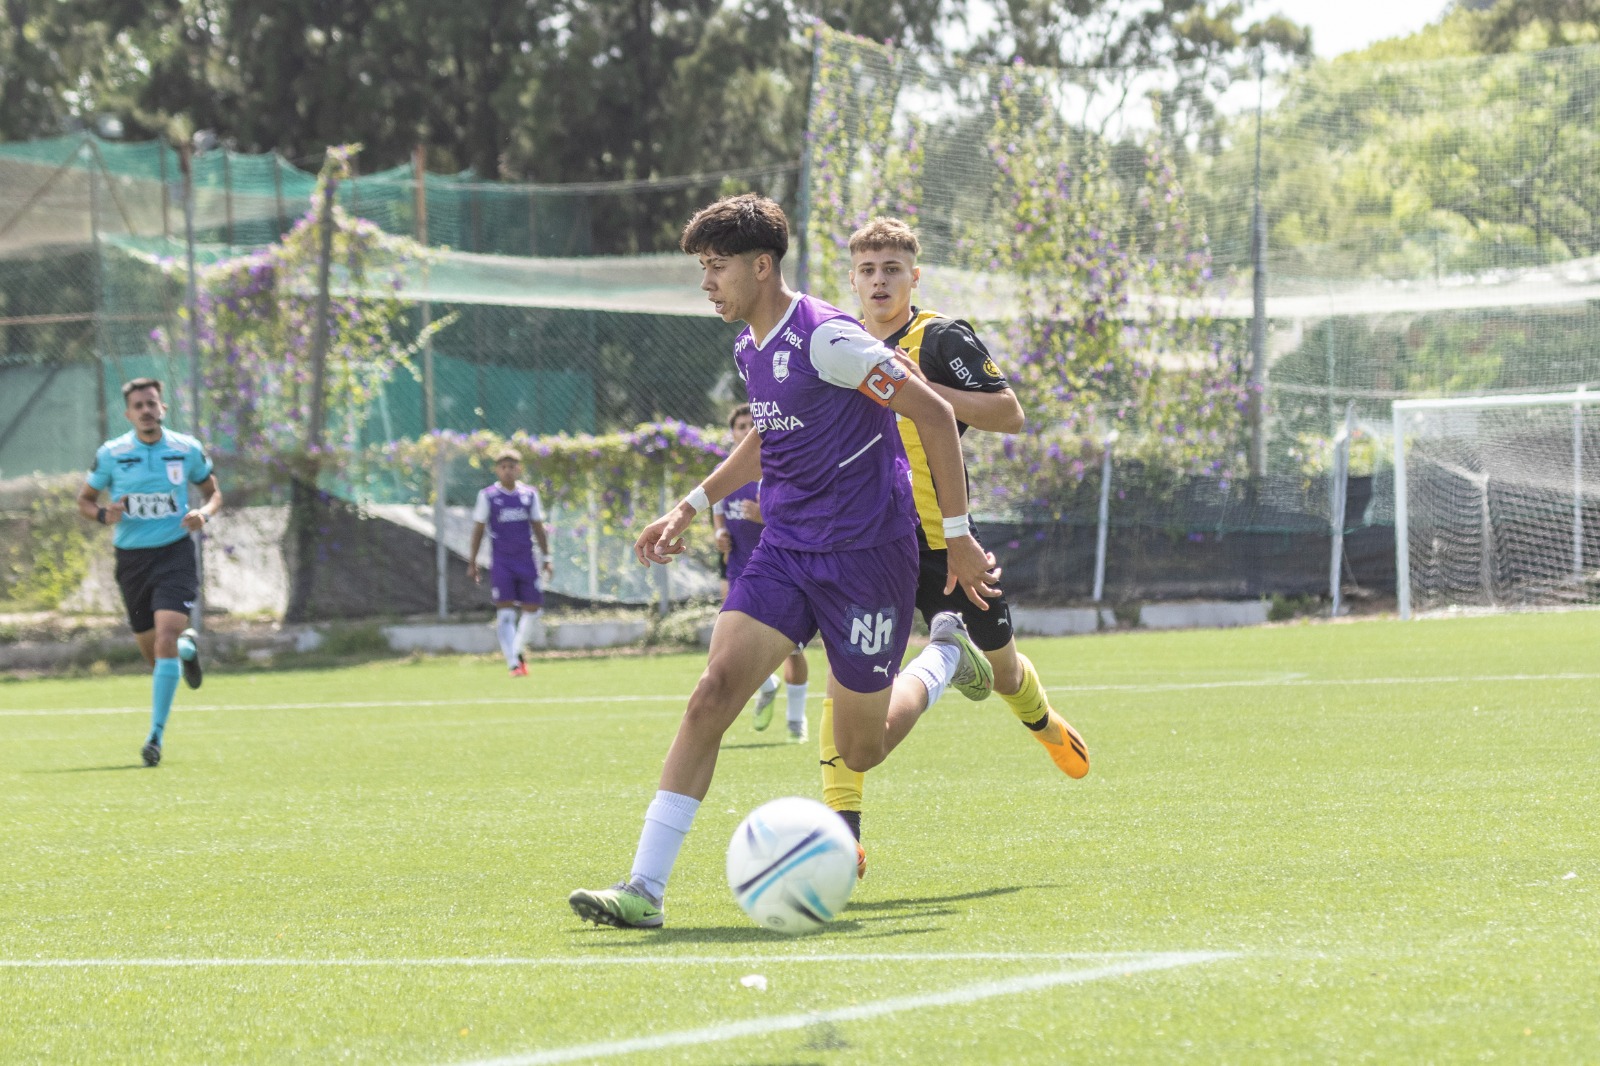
990	630
157	579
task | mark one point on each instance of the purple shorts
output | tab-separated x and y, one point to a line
861	601
514	582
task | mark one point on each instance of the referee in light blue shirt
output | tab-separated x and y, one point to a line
145	476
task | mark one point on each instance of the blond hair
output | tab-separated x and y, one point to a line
885	232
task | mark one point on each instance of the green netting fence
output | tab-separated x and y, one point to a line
1425	229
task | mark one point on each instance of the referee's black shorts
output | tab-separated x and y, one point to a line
157	579
990	630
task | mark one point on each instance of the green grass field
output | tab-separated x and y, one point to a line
1368	842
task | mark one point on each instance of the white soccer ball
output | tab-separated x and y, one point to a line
792	865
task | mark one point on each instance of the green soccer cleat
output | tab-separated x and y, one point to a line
764	702
974	677
189	656
797	733
622	906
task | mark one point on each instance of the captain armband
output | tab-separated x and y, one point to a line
884	381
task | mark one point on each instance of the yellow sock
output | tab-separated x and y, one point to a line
841	786
1028	703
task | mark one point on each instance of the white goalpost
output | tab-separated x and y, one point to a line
1497	501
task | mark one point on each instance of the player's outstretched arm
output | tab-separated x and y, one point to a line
663	538
972	568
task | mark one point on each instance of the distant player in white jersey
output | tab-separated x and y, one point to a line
511	513
737	521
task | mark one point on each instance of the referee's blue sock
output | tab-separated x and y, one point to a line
163	686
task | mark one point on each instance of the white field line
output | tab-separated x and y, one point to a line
585	960
861	1012
679	697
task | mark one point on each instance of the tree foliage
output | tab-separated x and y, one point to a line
544	90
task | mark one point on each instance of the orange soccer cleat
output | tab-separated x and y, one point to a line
1065	746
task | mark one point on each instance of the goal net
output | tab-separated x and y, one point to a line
1497	501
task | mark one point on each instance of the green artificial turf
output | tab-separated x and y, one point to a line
1372	841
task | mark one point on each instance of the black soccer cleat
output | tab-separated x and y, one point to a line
151	753
191	665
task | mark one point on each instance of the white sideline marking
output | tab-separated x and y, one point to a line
679	697
1322	682
587	960
783	1022
356	705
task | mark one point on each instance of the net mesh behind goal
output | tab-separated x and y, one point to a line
1499	505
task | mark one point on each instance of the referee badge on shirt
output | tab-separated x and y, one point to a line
780	366
175	471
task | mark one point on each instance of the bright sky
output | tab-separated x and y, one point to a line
1339	26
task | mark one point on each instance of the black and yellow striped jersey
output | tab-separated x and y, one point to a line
950	354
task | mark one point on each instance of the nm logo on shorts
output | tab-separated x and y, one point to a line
780	366
871	631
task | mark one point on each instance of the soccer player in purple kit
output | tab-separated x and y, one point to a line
839	551
736	518
511	512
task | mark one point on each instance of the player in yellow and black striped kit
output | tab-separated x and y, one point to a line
948	355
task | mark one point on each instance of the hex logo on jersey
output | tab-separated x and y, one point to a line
780	366
175	471
871	631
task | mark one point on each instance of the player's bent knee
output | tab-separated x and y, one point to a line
859	758
715	700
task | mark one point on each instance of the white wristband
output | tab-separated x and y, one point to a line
959	526
697	499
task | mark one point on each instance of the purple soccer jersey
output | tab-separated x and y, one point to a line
507	515
838	551
745	533
834	474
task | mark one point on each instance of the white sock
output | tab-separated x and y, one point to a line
666	822
525	628
797	705
505	627
934	667
770	685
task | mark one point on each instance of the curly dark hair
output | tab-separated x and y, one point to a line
735	225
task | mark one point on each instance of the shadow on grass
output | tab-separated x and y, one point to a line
935	901
775	742
89	769
717	934
855	922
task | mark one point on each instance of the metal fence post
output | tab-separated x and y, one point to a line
1341	495
191	298
592	542
1102	535
441	554
1402	532
1577	489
